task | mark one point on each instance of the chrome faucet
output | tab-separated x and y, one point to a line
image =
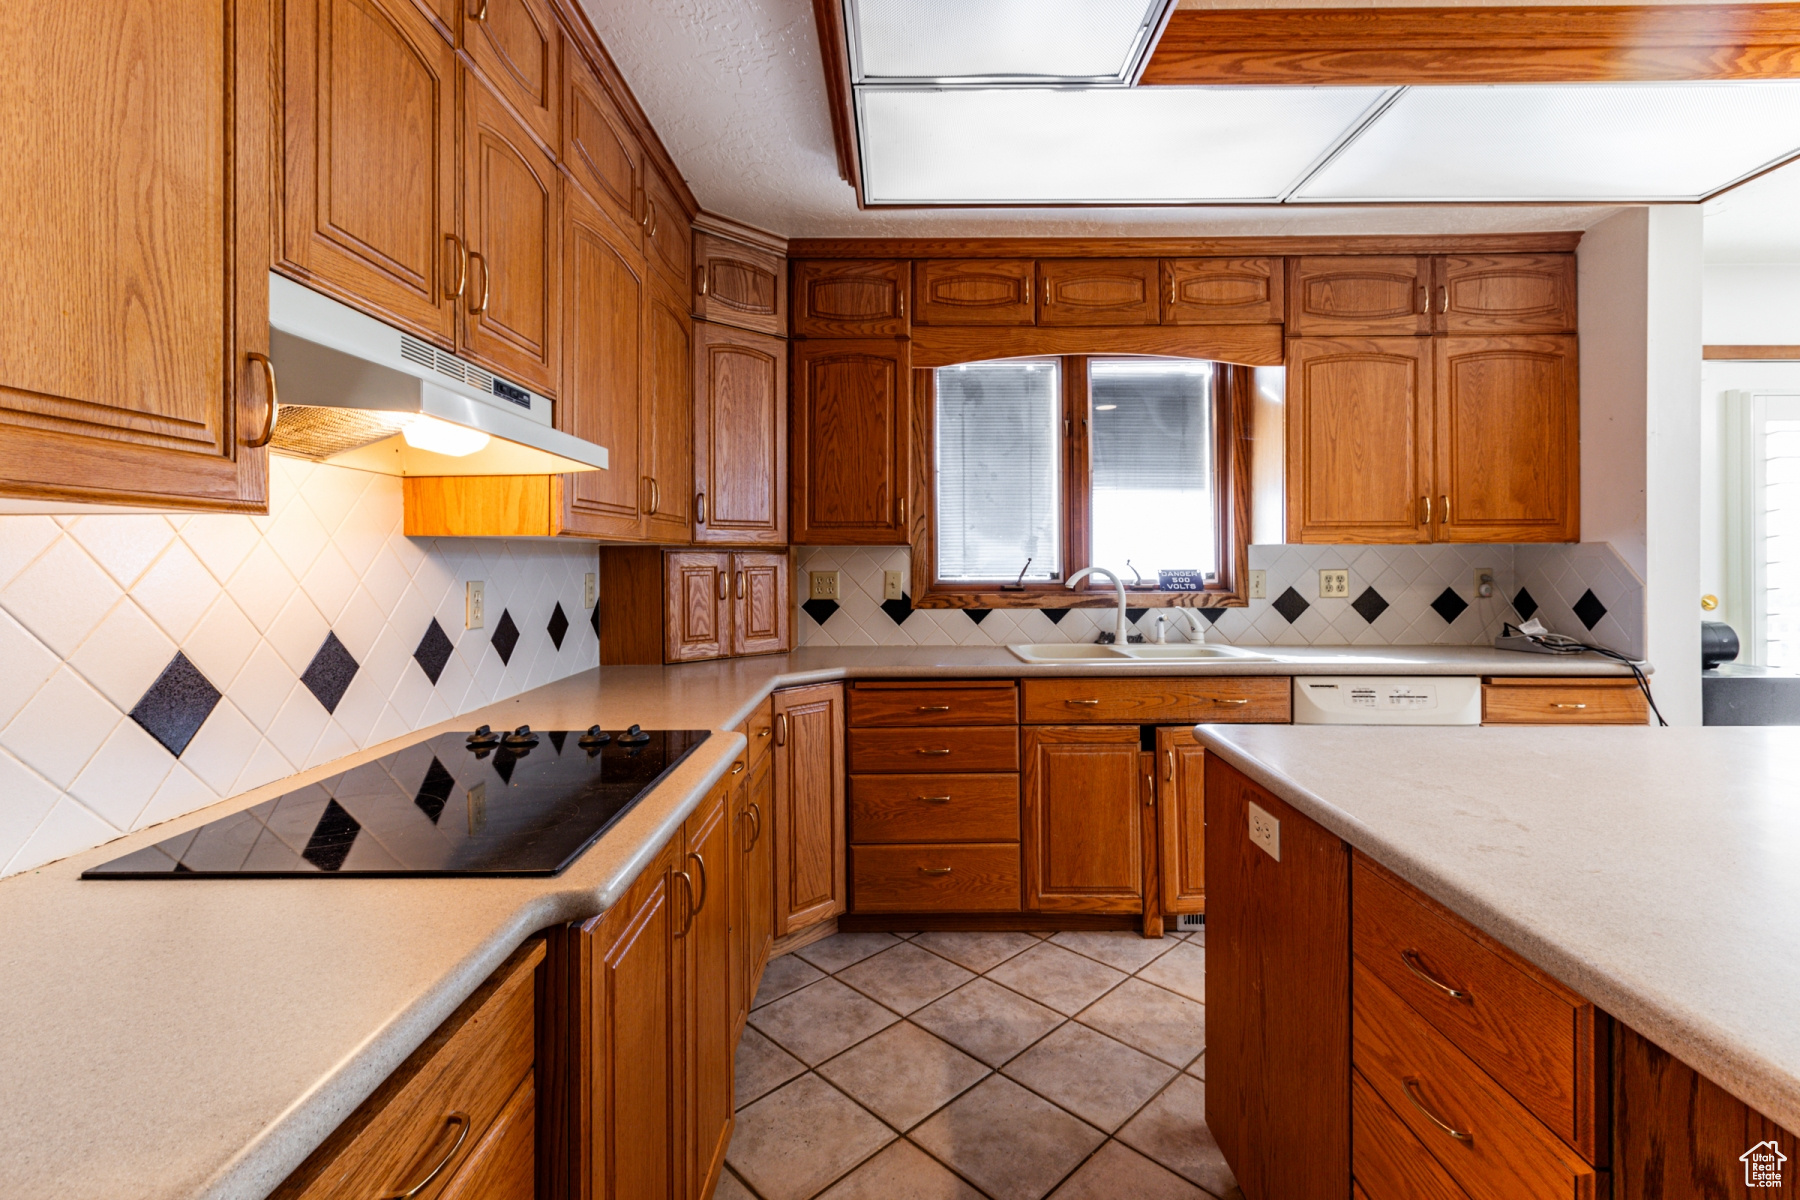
1121	630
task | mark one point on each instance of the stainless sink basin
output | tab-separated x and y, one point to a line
1075	652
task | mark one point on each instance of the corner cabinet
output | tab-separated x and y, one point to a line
809	806
137	197
850	441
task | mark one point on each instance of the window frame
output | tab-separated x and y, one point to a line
1234	393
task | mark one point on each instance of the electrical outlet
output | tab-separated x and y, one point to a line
1265	831
1334	584
1259	585
1484	582
590	590
475	605
822	585
892	587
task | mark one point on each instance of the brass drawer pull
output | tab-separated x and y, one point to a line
763	732
1171	755
933	708
737	768
781	729
935	799
756	813
486	282
1554	705
1413	964
1218	700
933	753
692	909
705	884
268	370
1412	1093
934	870
460	1119
1086	702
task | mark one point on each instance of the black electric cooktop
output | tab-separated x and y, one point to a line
483	803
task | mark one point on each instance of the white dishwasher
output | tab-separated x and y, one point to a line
1387	700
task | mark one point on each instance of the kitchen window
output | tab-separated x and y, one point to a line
1765	513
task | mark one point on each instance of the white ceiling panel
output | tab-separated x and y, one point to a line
1014	40
1591	142
1098	145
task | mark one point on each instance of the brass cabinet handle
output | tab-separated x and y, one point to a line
763	732
1028	289
462	267
650	215
1087	702
1427	500
932	708
935	870
689	881
268	370
722	585
935	799
899	302
1412	1093
700	275
1422	299
1171	756
740	585
1443	299
1445	501
1413	964
1171	290
655	495
1219	700
756	811
1568	706
486	282
699	508
781	730
705	886
481	14
902	504
932	753
1149	789
737	768
456	1118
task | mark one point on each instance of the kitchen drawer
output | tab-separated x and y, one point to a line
1518	701
934	808
438	1106
982	748
1498	1150
503	1165
914	878
959	704
1154	701
1534	1036
1388	1161
759	727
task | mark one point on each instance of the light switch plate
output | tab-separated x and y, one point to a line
475	605
892	586
589	590
1259	585
1265	831
822	585
1334	584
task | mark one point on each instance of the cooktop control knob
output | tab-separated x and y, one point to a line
593	739
520	737
483	739
633	737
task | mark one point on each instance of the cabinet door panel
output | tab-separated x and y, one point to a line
1505	293
603	392
668	236
1098	291
1083	820
740	436
136	189
1221	291
512	216
1508	439
369	203
669	448
849	442
1358	294
698	619
707	959
759	609
809	806
601	152
1181	820
516	45
850	298
976	291
759	884
740	285
1359	440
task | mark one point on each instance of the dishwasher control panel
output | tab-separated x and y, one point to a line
1387	700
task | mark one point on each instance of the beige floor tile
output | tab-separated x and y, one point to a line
1117	1172
1155	1020
1181	970
789	973
762	1066
901	1172
1100	1080
794	1141
1059	978
821	1020
976	951
731	1188
903	1074
838	951
1009	1143
1121	949
986	1020
905	977
1197	1068
1172	1130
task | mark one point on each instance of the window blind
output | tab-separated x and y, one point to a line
998	485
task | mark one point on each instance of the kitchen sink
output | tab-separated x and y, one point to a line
1066	652
1063	652
1189	652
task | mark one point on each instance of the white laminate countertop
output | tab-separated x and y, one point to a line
1655	871
168	1040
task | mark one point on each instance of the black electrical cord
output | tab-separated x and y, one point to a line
1568	645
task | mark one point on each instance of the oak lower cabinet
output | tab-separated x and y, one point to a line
753	794
1553	700
692	605
1084	803
710	990
850	440
740	435
1181	820
137	198
808	826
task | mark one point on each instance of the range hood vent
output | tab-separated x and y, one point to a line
357	393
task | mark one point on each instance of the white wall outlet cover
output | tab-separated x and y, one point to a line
589	590
475	604
1334	584
893	586
1259	585
822	585
1265	831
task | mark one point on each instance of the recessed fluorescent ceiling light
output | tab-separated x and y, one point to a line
989	39
1646	141
1097	145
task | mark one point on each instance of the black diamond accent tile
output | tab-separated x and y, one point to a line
1589	609
434	651
1134	615
1212	614
594	618
506	636
1290	604
176	705
435	791
329	673
331	838
1055	615
559	625
1370	604
977	615
1449	605
819	610
1525	604
898	610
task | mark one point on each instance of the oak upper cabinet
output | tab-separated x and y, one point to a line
669	415
974	291
1371	294
850	441
850	298
809	806
1504	293
1359	440
668	235
740	436
761	609
517	46
739	285
687	605
1221	291
512	218
705	937
697	600
1181	820
599	149
1508	439
136	191
369	173
1098	291
1083	819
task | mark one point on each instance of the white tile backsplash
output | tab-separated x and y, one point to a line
94	608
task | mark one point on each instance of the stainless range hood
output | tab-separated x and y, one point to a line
358	393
